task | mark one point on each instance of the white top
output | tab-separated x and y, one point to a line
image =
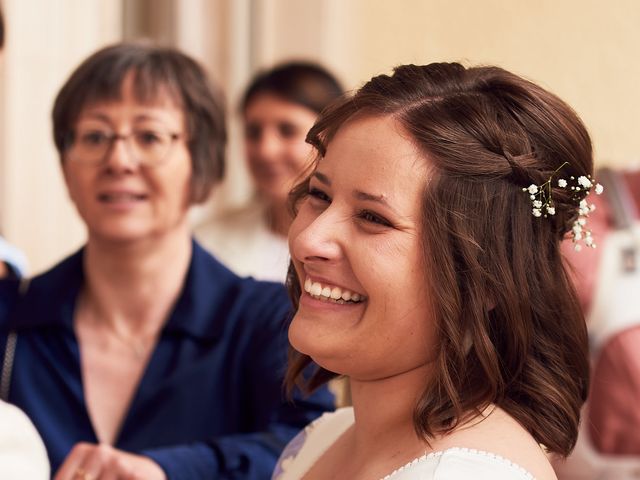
22	453
13	257
241	239
450	464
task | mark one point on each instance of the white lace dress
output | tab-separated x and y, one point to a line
451	464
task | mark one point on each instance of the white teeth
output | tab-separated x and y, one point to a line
335	294
316	289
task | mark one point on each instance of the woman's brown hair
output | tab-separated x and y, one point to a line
510	328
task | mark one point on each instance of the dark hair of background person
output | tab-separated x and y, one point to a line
302	83
510	328
156	69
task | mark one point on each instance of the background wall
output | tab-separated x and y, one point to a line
45	39
583	50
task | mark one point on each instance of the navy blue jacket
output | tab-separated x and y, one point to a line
210	403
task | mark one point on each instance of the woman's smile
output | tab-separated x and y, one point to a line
331	293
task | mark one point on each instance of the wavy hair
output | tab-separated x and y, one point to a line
510	330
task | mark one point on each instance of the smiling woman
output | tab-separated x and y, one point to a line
141	355
420	271
371	202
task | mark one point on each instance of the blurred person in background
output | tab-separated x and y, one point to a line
278	108
607	280
141	356
22	453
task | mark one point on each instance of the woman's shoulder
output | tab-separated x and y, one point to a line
242	240
309	445
459	463
231	226
496	439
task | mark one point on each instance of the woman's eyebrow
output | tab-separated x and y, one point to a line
369	197
322	178
94	116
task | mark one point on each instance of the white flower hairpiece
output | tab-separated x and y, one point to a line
543	205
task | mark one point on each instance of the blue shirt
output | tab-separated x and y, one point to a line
210	403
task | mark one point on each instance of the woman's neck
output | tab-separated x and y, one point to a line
134	285
383	437
384	415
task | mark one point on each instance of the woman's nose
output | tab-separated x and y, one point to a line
319	239
268	146
119	156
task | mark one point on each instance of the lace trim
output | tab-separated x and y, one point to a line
472	451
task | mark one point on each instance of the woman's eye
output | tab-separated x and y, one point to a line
318	194
287	130
252	132
94	138
374	218
148	138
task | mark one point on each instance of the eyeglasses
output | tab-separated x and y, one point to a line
148	147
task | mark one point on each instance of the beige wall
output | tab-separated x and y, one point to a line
584	50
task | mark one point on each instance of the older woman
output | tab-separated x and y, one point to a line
140	354
426	268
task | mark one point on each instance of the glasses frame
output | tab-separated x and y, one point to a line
114	137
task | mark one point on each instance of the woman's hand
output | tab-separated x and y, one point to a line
88	461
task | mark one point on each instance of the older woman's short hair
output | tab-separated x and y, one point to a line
510	330
155	69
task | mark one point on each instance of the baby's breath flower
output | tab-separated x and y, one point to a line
543	205
584	181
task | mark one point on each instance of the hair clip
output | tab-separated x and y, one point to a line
543	205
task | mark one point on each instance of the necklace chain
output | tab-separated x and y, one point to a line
136	346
